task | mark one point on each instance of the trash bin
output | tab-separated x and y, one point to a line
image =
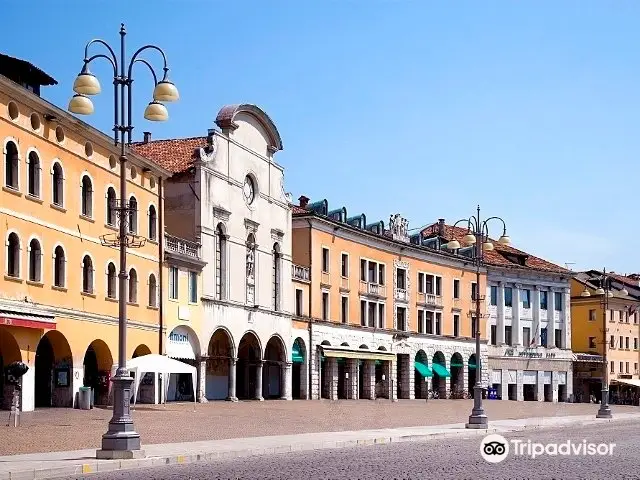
84	398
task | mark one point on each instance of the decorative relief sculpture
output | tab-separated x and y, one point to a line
250	265
208	153
399	227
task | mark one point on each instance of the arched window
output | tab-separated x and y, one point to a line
87	274
221	262
35	262
133	286
13	255
251	268
112	282
153	220
276	276
111	206
11	166
59	264
87	197
153	291
33	174
133	215
57	183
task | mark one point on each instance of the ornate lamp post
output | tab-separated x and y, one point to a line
121	439
604	411
478	235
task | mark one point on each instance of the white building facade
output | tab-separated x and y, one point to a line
529	317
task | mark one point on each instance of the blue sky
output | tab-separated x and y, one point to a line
531	109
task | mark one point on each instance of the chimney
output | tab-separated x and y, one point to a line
304	201
441	227
147	137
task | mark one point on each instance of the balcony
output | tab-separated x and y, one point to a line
344	283
300	273
401	294
325	278
368	288
182	251
430	299
456	303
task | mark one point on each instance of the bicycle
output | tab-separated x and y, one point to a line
433	394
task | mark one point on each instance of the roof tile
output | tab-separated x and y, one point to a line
174	154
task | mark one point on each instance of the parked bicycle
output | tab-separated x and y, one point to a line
433	394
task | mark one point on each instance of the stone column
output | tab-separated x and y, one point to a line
444	392
520	385
286	386
566	321
258	394
352	383
389	380
516	329
540	386
504	387
369	378
500	315
537	327
551	322
330	380
232	380
554	386
202	380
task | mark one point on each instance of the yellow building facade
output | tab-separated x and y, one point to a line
376	313
611	329
59	287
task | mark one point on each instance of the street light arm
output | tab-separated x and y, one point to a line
468	221
109	59
485	224
142	49
153	72
114	59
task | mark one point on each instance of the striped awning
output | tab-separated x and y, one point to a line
346	352
27	320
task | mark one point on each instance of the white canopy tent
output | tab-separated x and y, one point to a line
155	364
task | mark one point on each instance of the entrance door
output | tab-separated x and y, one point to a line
296	380
43	374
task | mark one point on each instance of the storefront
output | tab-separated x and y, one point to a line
183	345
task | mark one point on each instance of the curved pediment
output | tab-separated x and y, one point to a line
231	116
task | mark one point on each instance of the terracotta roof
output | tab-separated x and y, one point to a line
497	257
298	209
174	154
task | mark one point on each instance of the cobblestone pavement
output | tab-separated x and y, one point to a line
450	458
67	429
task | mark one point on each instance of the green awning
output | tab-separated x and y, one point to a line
457	364
296	356
423	370
440	370
472	365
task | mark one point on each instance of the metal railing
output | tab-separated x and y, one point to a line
430	299
369	288
181	246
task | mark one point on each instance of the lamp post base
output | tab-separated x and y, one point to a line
478	419
121	440
604	411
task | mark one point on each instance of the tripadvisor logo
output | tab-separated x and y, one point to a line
495	448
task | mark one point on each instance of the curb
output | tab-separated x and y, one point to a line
102	466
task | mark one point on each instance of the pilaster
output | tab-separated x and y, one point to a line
500	315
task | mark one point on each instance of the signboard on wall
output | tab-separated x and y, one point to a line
182	344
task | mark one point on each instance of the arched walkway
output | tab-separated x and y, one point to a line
422	374
299	369
53	371
97	363
218	379
439	379
9	352
141	350
471	373
182	345
249	368
457	376
325	383
272	371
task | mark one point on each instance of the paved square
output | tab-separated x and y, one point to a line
66	429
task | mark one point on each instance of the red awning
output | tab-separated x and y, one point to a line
27	320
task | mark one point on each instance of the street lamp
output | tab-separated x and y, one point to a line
478	235
605	410
121	439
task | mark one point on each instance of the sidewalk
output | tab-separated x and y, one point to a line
79	462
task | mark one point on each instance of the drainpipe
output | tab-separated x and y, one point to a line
160	262
311	366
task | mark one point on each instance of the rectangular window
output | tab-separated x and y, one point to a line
526	298
456	288
363	270
428	284
507	335
401	318
325	305
420	321
438	285
526	337
474	290
429	320
494	295
473	326
363	313
635	344
381	274
543	299
325	259
508	296
193	287
626	343
438	323
299	309
621	367
420	282
543	337
613	368
592	315
345	265
626	367
635	368
456	325
401	278
558	301
344	310
494	335
381	315
592	342
173	283
612	342
621	344
372	314
558	339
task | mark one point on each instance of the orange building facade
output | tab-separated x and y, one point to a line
375	313
59	286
